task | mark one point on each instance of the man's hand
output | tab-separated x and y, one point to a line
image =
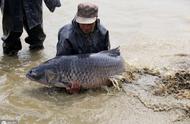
52	4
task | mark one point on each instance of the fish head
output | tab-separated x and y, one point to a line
45	74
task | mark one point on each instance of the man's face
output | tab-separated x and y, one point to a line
87	28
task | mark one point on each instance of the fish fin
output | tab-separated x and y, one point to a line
113	52
62	85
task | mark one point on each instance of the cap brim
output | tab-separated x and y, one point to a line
83	20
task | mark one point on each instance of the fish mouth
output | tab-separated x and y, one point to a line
29	77
33	76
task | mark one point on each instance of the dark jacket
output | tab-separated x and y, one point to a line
71	40
12	11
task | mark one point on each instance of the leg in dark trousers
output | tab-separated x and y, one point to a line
36	36
12	43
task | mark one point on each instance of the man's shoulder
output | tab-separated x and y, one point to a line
65	28
101	28
65	31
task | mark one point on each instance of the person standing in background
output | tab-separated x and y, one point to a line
17	14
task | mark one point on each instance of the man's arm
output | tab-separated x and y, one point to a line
105	34
64	47
107	41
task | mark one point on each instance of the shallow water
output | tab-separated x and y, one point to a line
151	33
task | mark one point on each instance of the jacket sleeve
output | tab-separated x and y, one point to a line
107	41
52	4
64	46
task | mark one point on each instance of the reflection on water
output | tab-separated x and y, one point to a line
151	33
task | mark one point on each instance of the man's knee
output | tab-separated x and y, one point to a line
36	35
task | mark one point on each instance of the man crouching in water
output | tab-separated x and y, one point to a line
84	35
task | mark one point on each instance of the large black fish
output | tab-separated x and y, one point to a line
87	70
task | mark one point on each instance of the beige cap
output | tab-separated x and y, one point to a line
87	13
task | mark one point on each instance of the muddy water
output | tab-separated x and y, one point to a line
151	33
